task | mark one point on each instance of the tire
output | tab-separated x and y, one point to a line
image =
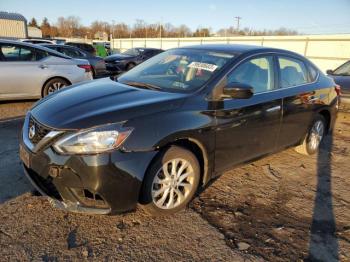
54	85
129	66
314	137
93	72
165	193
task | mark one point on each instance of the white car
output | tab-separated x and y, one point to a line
37	41
29	71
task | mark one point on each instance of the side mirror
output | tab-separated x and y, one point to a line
330	72
238	90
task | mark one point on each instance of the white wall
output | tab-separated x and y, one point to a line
34	32
326	51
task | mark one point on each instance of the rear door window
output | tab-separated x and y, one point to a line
293	72
71	52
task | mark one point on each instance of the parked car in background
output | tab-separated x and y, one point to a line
171	124
58	41
30	71
341	76
97	63
86	47
37	41
130	58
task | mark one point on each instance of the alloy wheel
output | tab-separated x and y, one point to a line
316	134
55	86
173	183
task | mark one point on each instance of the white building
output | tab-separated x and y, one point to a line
34	32
13	25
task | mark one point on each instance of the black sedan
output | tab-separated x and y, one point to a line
125	61
83	46
170	125
341	76
97	63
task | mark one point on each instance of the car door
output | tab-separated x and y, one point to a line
22	71
299	99
248	128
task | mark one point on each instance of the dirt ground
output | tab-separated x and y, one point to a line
284	207
14	108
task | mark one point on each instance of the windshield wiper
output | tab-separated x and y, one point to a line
142	85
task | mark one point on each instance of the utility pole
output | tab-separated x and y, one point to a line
160	27
238	18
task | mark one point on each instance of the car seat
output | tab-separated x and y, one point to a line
291	77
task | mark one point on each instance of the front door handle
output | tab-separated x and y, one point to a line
312	99
273	109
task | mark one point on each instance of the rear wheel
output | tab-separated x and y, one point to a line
314	137
54	85
171	182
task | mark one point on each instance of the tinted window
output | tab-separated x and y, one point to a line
132	52
40	55
83	46
292	72
257	73
18	53
149	53
343	69
71	52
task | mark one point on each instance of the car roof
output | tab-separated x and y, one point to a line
40	47
237	48
77	43
65	46
147	48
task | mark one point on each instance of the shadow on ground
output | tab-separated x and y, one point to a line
12	181
323	244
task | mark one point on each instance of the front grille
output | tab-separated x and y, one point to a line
45	184
40	131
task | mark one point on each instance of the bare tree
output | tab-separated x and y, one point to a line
69	26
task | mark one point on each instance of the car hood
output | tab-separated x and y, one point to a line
101	102
117	57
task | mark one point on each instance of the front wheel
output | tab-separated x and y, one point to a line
314	137
171	182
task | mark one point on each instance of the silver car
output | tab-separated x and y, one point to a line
29	71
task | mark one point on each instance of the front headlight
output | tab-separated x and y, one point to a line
92	141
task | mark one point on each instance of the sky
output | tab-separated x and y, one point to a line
305	16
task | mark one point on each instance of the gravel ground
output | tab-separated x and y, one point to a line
285	207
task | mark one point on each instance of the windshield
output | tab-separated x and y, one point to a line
131	52
343	69
179	70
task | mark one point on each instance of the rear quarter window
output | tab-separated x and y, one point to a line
313	73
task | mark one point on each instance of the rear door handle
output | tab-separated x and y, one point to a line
43	66
273	109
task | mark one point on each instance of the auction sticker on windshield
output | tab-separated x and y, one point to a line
204	66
